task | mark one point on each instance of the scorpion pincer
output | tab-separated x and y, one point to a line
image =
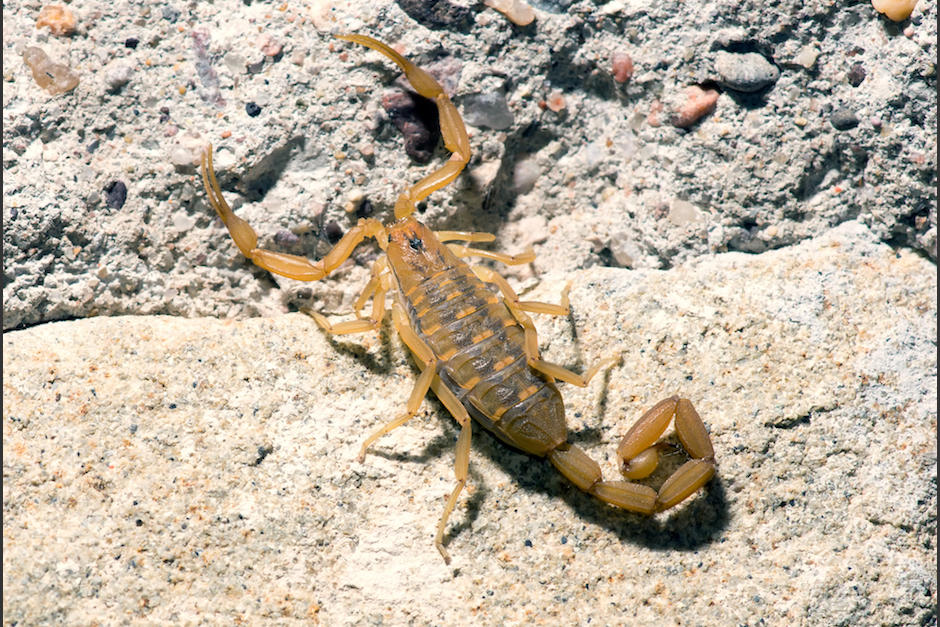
476	347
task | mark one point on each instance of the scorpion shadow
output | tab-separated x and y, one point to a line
690	526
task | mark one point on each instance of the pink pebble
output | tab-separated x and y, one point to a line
698	103
622	66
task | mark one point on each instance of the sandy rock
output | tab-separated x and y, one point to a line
204	470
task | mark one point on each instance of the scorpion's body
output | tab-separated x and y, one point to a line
480	344
477	347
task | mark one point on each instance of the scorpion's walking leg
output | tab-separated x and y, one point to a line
426	380
461	457
510	260
464	236
452	127
376	288
291	266
429	365
518	309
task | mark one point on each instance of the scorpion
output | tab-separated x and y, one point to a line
476	347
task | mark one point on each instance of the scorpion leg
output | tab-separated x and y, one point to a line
376	288
464	236
428	363
461	457
510	260
290	266
429	380
453	129
518	308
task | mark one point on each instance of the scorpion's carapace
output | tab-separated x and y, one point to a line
477	347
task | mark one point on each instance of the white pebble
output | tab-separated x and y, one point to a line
683	212
183	222
524	175
489	110
117	74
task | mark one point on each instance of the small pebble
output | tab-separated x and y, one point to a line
556	101
653	117
856	74
187	150
333	232
285	238
269	46
131	42
117	74
747	72
487	110
416	118
682	212
698	103
164	114
622	66
116	194
518	12
183	223
524	175
235	62
55	78
897	10
843	119
252	109
57	18
624	250
170	14
807	56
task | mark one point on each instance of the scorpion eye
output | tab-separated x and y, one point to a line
416	243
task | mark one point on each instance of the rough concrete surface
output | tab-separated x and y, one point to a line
164	469
774	260
766	169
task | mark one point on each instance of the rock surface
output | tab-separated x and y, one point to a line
298	124
159	469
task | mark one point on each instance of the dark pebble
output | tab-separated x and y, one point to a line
417	120
747	72
437	14
856	74
365	209
116	194
333	232
131	42
252	110
164	114
843	119
285	238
